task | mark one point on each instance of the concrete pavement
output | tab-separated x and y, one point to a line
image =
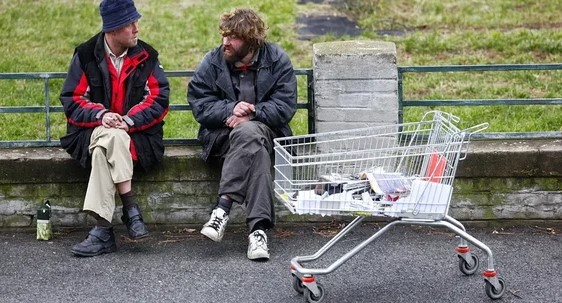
176	264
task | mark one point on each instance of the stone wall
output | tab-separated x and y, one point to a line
518	179
498	180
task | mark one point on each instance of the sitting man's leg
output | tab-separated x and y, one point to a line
260	207
111	164
132	216
246	161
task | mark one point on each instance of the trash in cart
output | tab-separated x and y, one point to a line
404	171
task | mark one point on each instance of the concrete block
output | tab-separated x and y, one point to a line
354	115
380	101
354	60
15	220
329	126
356	69
520	158
356	85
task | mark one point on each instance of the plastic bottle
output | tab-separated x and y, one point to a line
44	228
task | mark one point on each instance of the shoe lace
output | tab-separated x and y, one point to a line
259	239
216	223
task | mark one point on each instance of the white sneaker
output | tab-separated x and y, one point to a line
214	228
257	249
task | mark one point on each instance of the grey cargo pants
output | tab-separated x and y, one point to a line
246	171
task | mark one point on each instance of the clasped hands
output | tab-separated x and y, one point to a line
240	114
114	120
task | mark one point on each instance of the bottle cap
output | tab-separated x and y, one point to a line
44	212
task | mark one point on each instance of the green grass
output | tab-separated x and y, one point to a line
474	32
41	38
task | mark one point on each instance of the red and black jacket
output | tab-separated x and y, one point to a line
142	97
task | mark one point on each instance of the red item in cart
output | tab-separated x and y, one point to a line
436	168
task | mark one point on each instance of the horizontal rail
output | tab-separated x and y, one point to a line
59	109
310	105
62	75
47	109
402	103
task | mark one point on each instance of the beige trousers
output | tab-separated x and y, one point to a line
111	164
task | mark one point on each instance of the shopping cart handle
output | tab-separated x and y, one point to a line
476	128
468	134
442	116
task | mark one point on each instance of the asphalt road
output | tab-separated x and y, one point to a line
176	264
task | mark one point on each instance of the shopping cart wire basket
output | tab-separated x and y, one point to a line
404	171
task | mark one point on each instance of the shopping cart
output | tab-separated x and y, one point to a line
404	171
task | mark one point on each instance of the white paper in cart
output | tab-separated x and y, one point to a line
308	202
426	200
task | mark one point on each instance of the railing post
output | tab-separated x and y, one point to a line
400	97
47	110
355	84
311	103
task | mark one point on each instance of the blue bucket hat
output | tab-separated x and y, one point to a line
117	13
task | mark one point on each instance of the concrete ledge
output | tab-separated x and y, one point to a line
181	189
498	180
513	158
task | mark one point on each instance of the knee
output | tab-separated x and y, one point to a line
246	132
116	138
119	135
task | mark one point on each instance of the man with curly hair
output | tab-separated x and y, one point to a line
244	94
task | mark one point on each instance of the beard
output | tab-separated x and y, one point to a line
232	55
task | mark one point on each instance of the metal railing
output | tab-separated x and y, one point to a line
309	106
49	108
481	102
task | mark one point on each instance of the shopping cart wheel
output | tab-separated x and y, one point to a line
311	298
465	268
493	292
297	285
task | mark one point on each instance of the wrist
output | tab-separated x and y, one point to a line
102	113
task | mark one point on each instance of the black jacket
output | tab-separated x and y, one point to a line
86	95
212	98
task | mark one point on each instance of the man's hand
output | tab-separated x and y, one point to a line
243	109
113	120
234	121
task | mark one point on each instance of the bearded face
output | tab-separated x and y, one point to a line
234	49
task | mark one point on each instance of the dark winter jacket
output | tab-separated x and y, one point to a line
212	97
86	95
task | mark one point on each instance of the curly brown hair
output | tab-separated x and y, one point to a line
245	24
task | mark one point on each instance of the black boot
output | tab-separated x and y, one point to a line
100	240
133	220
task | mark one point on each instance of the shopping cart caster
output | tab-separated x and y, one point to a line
310	297
465	267
495	287
297	285
308	287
